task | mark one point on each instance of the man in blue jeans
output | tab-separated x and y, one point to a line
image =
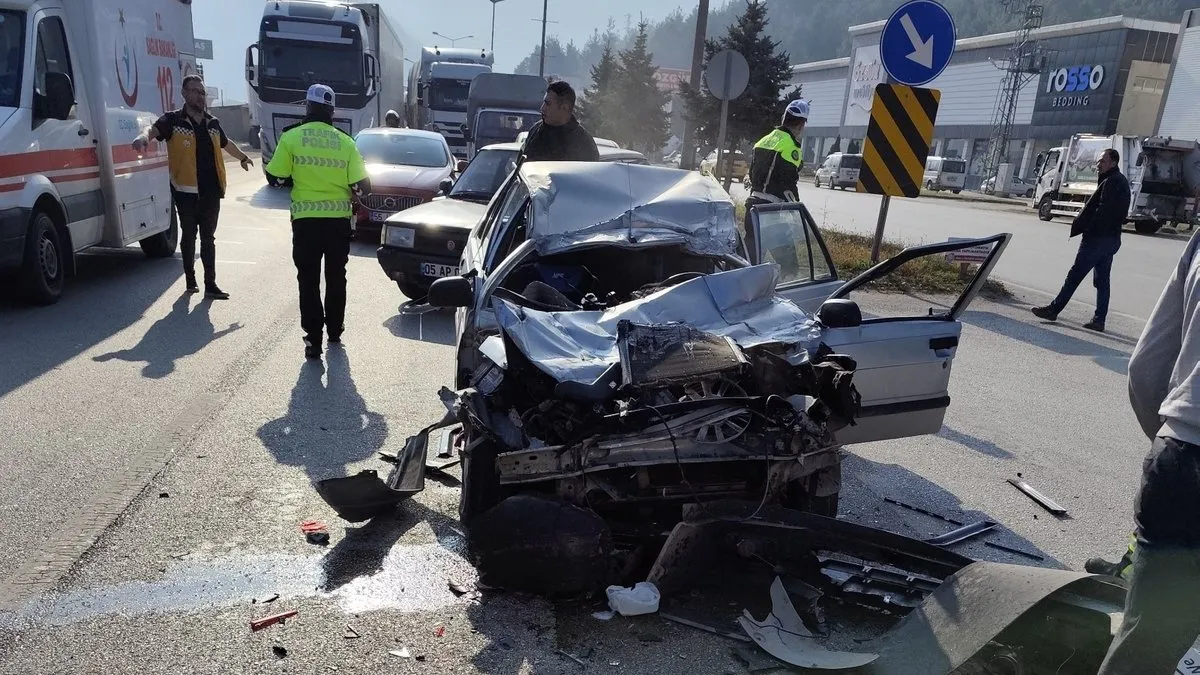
1100	224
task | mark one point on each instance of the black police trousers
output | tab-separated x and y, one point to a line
315	240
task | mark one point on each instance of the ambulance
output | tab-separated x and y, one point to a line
79	80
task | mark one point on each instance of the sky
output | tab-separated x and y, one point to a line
232	25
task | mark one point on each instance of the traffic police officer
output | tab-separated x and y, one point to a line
775	167
326	171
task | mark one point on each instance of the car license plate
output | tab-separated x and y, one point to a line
438	271
379	216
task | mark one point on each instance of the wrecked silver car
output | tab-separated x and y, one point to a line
621	353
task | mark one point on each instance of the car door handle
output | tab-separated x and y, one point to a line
940	343
84	132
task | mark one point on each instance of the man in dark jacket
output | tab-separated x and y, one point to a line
1100	224
559	137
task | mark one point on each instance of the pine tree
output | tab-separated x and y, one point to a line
640	120
760	107
595	110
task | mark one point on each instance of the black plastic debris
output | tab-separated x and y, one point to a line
279	651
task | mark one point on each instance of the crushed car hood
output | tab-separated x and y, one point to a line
578	203
740	304
442	213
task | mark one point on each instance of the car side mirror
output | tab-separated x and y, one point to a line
59	97
840	313
445	186
452	292
461	166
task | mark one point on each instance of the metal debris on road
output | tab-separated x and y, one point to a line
1015	551
574	658
1042	500
262	601
961	534
181	556
350	633
259	624
918	509
707	629
402	653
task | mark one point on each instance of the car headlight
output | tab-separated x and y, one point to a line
399	237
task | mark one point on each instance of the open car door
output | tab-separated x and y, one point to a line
904	342
785	234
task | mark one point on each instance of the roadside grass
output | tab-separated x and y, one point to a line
851	255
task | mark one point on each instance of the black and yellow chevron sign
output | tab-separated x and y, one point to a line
898	140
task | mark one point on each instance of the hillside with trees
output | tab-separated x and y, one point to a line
813	31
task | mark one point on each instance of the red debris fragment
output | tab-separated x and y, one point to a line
441	631
259	624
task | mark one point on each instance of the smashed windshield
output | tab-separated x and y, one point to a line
12	39
485	174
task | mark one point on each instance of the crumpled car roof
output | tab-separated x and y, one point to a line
587	203
740	304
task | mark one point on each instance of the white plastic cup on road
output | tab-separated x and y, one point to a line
643	598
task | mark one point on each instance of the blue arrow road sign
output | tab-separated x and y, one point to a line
917	42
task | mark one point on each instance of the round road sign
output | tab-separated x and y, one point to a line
727	74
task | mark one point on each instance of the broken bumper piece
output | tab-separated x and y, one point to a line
949	614
365	495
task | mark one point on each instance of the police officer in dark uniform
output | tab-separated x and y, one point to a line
775	167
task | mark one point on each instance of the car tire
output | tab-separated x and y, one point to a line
44	266
163	244
816	181
957	191
412	291
1147	226
1045	206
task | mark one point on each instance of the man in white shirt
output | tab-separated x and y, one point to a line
1162	613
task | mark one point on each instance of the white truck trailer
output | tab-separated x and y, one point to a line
83	79
351	47
1162	190
439	87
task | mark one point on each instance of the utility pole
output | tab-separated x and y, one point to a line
688	157
1026	60
542	55
494	3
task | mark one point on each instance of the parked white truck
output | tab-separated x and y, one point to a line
439	88
351	47
82	79
500	107
1162	187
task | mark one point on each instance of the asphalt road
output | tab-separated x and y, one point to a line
1037	259
159	453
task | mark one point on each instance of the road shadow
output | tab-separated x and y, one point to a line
111	291
179	334
1038	334
423	323
364	245
328	426
271	198
970	442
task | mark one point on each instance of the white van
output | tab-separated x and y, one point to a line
82	79
838	170
945	173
